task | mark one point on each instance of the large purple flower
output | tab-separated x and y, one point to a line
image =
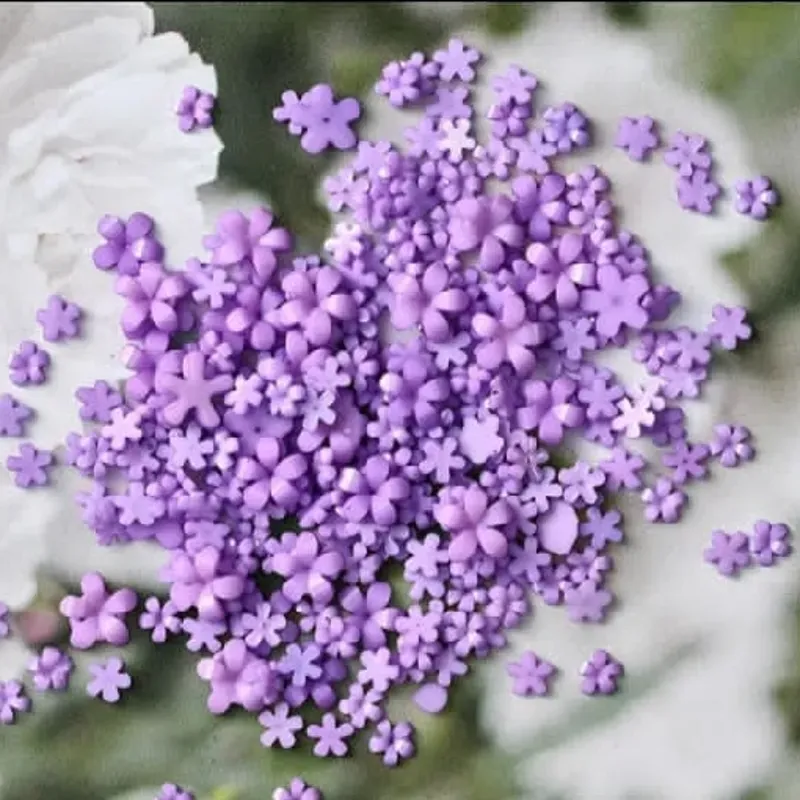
486	224
510	336
375	492
152	297
550	408
270	477
199	582
617	301
314	301
240	238
306	569
474	524
426	301
541	204
562	270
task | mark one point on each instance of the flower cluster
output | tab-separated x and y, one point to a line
298	457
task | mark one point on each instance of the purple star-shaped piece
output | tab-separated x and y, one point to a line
600	674
480	440
687	153
637	136
325	120
59	319
195	109
756	197
29	364
531	675
108	680
13	415
729	552
30	466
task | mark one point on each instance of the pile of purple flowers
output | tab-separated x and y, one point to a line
348	510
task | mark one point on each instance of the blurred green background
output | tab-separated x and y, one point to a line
94	752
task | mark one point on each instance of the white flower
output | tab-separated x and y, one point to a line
88	128
705	727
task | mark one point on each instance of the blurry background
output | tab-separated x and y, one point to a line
744	58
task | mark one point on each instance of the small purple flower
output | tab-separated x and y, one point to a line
531	675
663	501
161	620
280	726
637	136
769	542
108	680
687	154
331	738
587	603
698	192
731	445
195	109
297	789
29	364
30	466
600	674
12	701
51	670
729	327
60	319
394	742
308	569
755	198
729	552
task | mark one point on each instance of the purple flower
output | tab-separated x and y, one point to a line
330	737
510	336
550	409
109	679
637	136
769	542
199	581
617	301
51	670
371	612
326	120
729	552
161	620
687	154
195	109
474	524
394	742
663	501
308	570
560	270
587	602
531	675
297	790
485	224
600	673
427	302
128	244
729	327
29	364
456	61
698	192
280	726
12	701
237	677
755	197
97	616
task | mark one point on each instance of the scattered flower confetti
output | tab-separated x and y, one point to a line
262	388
